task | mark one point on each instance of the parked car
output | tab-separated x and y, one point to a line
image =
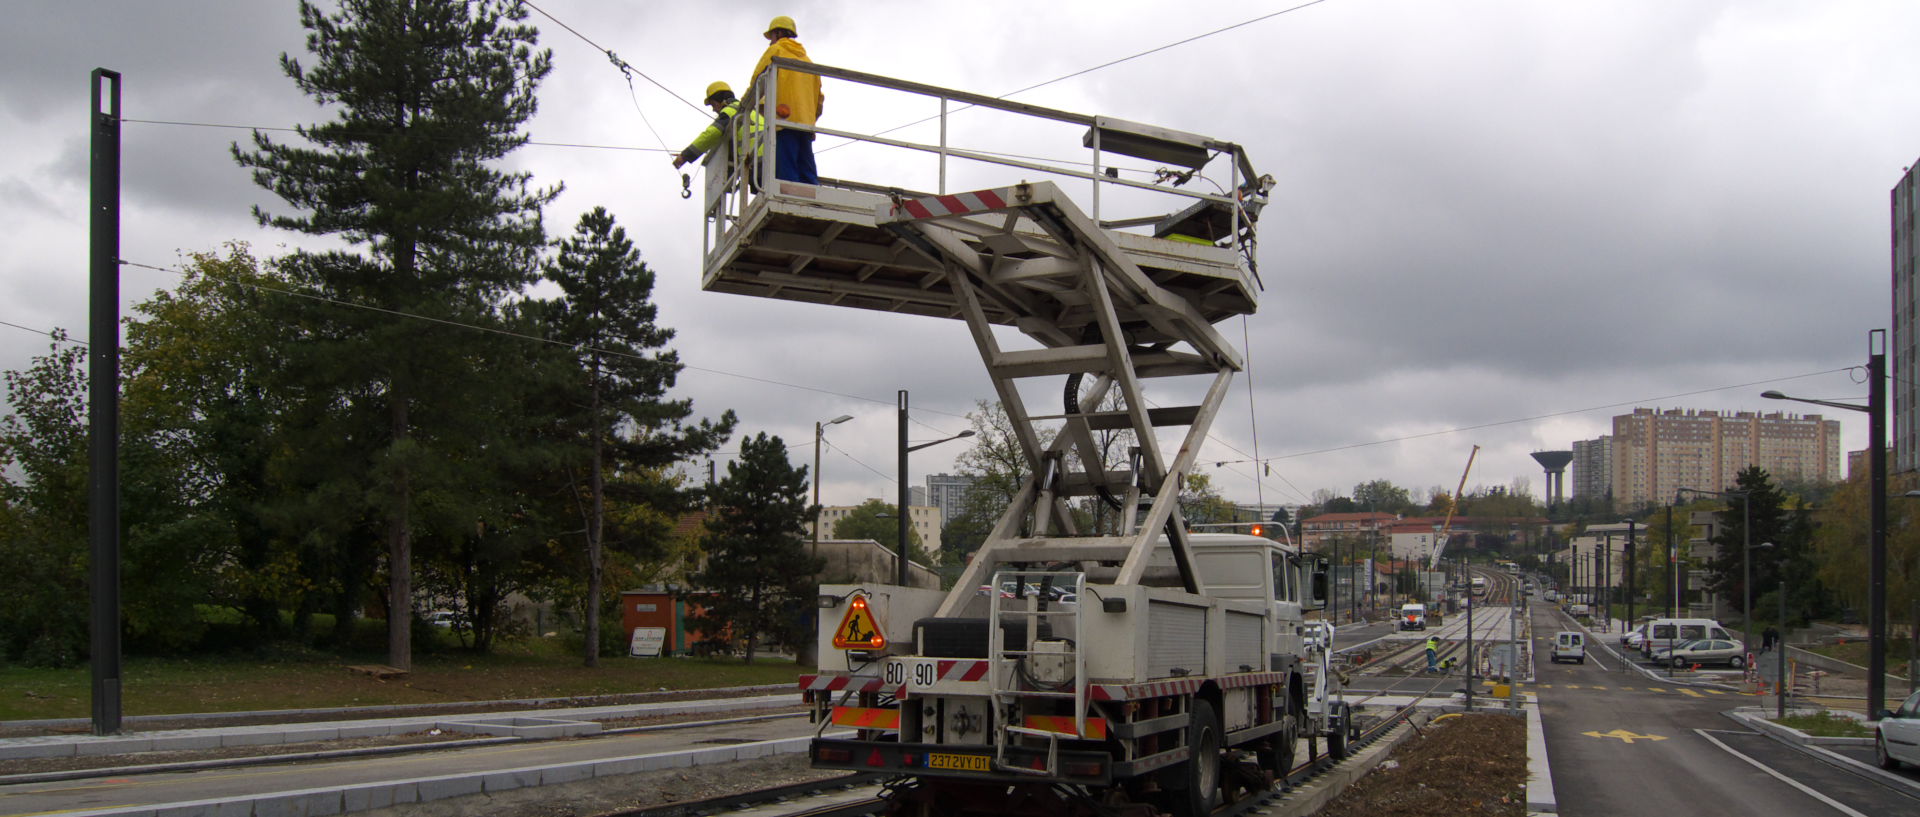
1704	651
1665	632
1896	738
1569	646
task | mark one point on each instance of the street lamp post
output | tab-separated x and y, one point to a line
819	429
906	493
1876	410
1630	553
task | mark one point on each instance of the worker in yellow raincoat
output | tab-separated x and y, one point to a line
797	99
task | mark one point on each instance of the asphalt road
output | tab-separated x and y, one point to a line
1621	743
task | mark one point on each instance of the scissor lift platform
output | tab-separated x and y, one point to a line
828	245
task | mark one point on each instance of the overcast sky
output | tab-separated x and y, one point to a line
1485	211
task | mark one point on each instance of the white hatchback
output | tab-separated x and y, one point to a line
1896	739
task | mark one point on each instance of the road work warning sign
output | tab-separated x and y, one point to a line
858	630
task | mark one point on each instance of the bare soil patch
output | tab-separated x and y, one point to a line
1466	765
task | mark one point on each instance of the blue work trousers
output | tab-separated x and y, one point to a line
1433	660
793	156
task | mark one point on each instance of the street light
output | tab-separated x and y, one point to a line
1876	411
819	429
900	555
1746	556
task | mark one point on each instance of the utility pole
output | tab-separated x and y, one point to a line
103	401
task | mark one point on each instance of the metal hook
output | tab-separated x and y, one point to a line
686	186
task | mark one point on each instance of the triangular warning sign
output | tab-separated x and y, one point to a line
858	630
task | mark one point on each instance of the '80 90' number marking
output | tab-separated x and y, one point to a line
924	674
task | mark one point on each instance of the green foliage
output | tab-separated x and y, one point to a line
1383	496
1201	503
865	522
428	99
620	417
758	578
1826	725
1792	557
1843	536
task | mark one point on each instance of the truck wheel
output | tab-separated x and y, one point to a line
1202	794
1278	757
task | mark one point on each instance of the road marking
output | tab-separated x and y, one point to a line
1837	805
1691	693
1655	689
1623	735
1596	686
1573	686
1715	692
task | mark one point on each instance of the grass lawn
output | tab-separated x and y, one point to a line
1854	651
535	668
1827	725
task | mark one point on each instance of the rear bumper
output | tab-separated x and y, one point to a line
1086	767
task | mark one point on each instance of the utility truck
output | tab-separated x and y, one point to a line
1095	656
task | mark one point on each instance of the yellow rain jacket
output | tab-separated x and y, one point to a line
798	95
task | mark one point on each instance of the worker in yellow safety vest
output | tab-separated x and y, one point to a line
725	107
797	99
1433	653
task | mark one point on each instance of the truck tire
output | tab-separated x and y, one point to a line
1337	737
1202	769
1282	749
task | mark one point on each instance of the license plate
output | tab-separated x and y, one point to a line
961	763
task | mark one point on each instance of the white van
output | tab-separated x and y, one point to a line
1665	632
1569	646
1413	616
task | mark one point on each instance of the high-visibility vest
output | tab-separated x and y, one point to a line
715	132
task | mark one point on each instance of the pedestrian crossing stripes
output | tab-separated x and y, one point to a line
1693	693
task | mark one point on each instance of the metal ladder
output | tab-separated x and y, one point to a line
1005	682
1029	251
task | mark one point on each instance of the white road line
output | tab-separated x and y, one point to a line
1837	805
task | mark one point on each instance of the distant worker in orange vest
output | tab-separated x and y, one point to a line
797	99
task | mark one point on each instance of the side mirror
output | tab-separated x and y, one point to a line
1319	584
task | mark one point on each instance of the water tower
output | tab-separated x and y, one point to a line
1556	464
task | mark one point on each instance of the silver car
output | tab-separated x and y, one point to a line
1704	651
1896	738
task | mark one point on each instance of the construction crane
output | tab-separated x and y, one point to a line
1453	506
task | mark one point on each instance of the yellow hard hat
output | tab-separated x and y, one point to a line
783	21
717	88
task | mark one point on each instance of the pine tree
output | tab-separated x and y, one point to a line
620	407
758	576
1765	509
428	96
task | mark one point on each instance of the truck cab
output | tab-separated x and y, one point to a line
1413	617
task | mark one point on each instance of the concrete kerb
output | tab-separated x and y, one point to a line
1756	719
348	799
73	745
1816	746
390	710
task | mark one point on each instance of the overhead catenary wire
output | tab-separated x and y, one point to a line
1107	64
521	335
56	335
287	129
